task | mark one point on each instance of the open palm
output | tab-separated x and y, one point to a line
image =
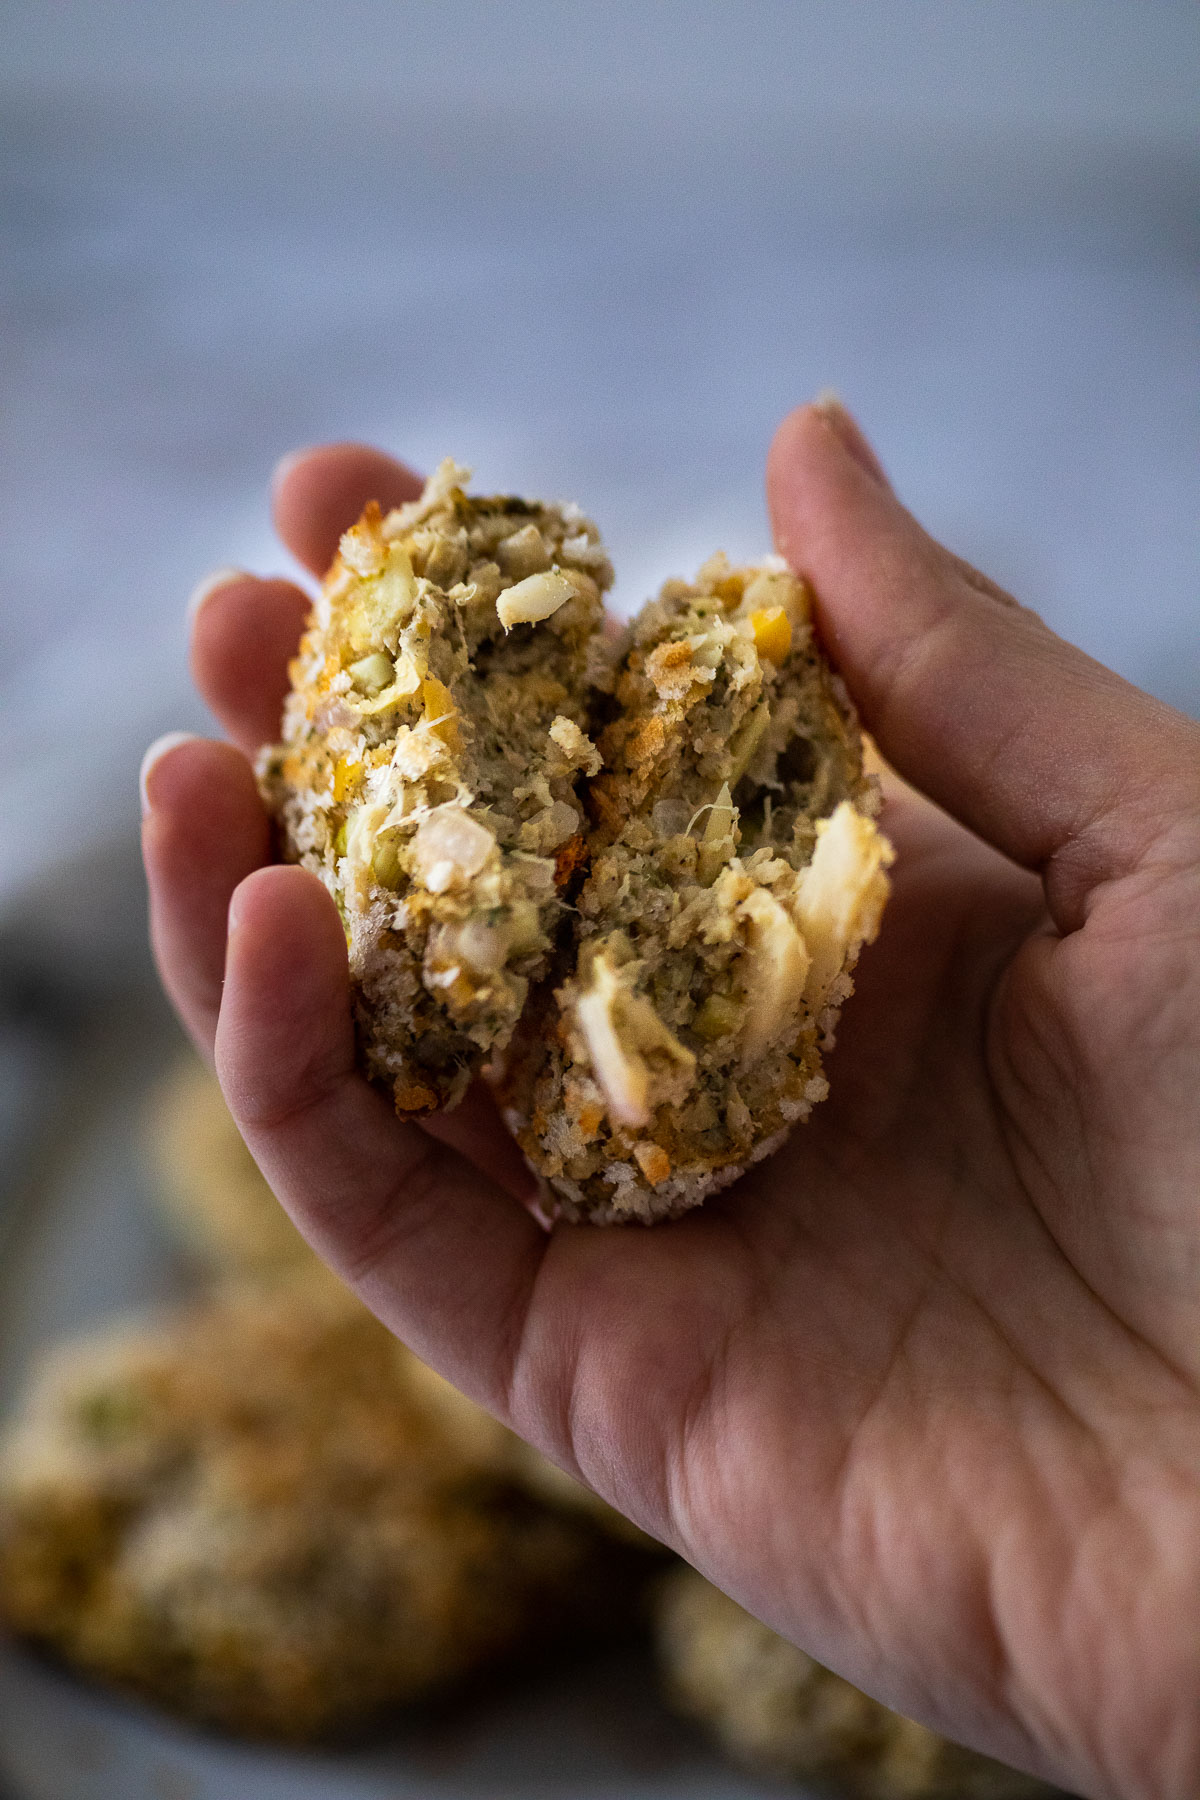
922	1391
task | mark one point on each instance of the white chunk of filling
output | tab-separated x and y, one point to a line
537	597
450	846
777	968
840	895
621	1029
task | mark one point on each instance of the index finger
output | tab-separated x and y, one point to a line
436	1247
244	629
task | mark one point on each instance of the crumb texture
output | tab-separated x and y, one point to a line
734	873
776	1710
433	747
263	1512
630	886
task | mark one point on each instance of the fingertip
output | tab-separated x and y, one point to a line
789	438
285	1027
243	635
281	474
203	817
204	829
285	900
317	494
286	967
851	436
161	748
803	457
817	449
212	584
806	431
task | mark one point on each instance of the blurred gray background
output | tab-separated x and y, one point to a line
596	251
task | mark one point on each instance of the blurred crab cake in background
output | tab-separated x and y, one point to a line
735	872
434	743
262	1511
773	1708
207	1187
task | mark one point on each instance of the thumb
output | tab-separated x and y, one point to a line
1043	752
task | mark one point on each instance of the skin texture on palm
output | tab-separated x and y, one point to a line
922	1391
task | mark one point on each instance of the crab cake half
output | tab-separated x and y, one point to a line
264	1513
735	872
774	1708
433	747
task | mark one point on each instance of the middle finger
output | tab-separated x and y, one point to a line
245	630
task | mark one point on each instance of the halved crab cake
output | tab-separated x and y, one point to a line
263	1512
735	872
433	747
775	1709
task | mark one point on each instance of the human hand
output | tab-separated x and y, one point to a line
921	1391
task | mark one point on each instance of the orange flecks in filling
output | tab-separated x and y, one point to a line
413	1096
603	804
669	656
459	993
672	670
347	778
440	715
590	1118
648	741
653	1161
568	858
772	633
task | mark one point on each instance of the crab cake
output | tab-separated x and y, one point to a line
775	1709
213	1196
263	1513
433	747
735	873
208	1187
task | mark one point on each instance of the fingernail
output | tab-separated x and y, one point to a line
284	467
850	435
204	590
170	740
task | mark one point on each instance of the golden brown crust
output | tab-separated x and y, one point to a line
263	1512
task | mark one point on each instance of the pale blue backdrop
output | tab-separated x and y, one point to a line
596	251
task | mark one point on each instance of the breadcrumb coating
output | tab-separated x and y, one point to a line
264	1513
433	746
735	872
775	1709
